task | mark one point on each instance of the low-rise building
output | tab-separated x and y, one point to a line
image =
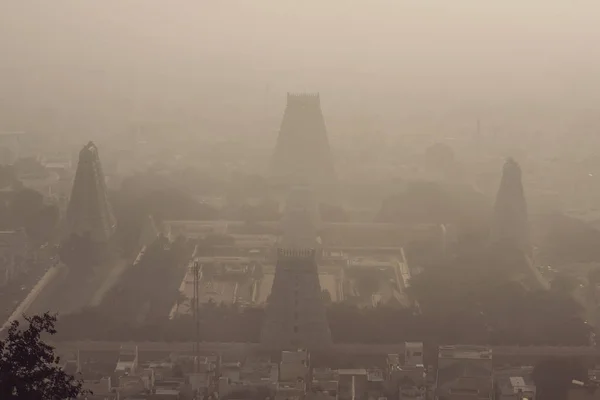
352	383
290	390
584	391
294	366
464	373
323	390
515	388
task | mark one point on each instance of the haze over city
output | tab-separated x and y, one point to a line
334	200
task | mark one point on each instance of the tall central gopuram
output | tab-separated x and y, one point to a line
302	154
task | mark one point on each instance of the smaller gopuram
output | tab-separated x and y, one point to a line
89	212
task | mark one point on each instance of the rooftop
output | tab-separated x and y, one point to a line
465	352
353	371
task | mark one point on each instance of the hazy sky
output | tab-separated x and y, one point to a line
391	55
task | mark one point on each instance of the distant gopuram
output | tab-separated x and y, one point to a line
302	153
300	221
295	314
89	211
510	223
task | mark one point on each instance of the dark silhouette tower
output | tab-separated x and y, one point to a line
295	315
510	221
89	212
302	153
299	224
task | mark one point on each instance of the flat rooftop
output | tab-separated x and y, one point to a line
465	352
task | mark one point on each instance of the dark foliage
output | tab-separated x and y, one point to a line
42	224
553	377
218	323
430	202
332	213
8	176
476	295
29	368
149	194
567	240
25	208
79	252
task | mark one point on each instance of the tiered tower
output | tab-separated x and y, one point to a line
295	315
89	211
302	154
300	220
510	224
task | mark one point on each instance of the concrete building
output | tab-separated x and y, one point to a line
128	360
413	354
323	390
352	383
295	313
464	373
515	388
584	391
408	379
295	365
290	390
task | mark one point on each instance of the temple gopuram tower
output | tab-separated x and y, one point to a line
510	223
302	154
89	211
300	220
295	314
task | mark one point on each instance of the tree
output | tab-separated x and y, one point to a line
29	368
27	202
326	296
78	251
552	377
367	284
564	283
42	224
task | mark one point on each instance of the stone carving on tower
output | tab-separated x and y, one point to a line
302	154
510	221
89	211
295	315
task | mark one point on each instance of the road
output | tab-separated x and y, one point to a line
23	307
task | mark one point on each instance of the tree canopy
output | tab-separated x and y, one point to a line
29	369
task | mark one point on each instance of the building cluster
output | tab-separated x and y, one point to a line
461	372
293	376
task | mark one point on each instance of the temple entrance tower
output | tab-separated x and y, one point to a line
295	315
